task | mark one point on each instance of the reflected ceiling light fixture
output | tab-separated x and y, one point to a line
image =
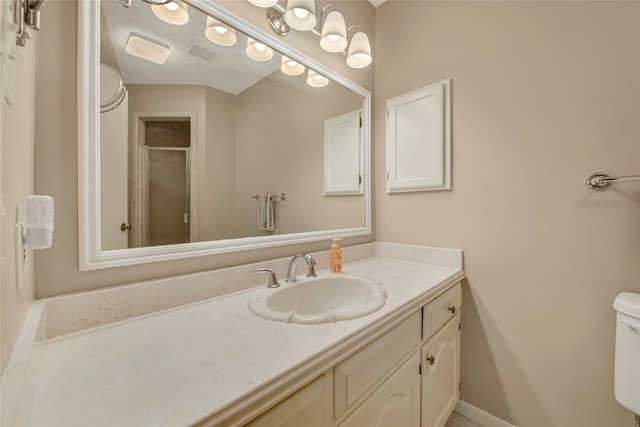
219	33
263	3
301	14
147	48
316	80
334	32
291	67
258	51
174	12
359	54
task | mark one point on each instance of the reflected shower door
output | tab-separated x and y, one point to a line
168	192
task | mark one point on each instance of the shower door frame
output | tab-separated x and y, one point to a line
139	173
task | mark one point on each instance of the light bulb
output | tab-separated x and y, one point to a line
219	33
316	80
291	67
334	33
300	13
359	55
175	13
258	51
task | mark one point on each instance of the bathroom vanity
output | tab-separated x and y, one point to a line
215	363
386	382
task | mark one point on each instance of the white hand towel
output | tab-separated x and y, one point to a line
266	217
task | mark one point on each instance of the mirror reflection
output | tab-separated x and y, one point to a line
208	134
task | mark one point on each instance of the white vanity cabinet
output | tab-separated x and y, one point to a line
407	377
396	403
381	380
441	357
309	406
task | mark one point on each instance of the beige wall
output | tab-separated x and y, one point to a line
544	94
220	172
17	183
57	268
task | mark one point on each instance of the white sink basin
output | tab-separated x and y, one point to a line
319	300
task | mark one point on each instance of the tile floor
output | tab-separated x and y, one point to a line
457	420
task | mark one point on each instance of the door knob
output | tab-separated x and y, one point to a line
452	309
431	360
125	227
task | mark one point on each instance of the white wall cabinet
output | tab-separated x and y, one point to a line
344	154
419	139
407	377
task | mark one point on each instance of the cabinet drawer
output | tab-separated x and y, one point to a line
356	377
437	312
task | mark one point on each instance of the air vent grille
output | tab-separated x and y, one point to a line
203	53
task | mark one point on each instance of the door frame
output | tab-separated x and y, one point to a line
139	168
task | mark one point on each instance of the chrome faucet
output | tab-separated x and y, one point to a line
293	266
273	280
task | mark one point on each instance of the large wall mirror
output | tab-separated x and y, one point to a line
194	141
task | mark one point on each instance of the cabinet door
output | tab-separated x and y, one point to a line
309	406
441	374
396	403
419	139
343	154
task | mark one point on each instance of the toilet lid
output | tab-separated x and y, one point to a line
628	303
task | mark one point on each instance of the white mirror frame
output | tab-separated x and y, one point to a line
91	256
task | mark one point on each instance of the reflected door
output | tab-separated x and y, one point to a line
114	160
168	207
162	187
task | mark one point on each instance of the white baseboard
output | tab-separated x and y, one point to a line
479	416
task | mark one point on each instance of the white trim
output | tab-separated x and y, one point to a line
479	416
91	256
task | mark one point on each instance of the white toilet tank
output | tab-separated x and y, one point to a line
627	357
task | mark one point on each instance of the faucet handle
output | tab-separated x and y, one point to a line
311	262
311	272
273	280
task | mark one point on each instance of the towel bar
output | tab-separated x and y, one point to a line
281	196
600	181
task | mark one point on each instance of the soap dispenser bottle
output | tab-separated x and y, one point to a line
335	256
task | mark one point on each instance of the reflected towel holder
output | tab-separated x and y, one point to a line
282	196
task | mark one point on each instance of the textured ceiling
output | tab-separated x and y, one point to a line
225	68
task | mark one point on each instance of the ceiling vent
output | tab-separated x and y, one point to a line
203	53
